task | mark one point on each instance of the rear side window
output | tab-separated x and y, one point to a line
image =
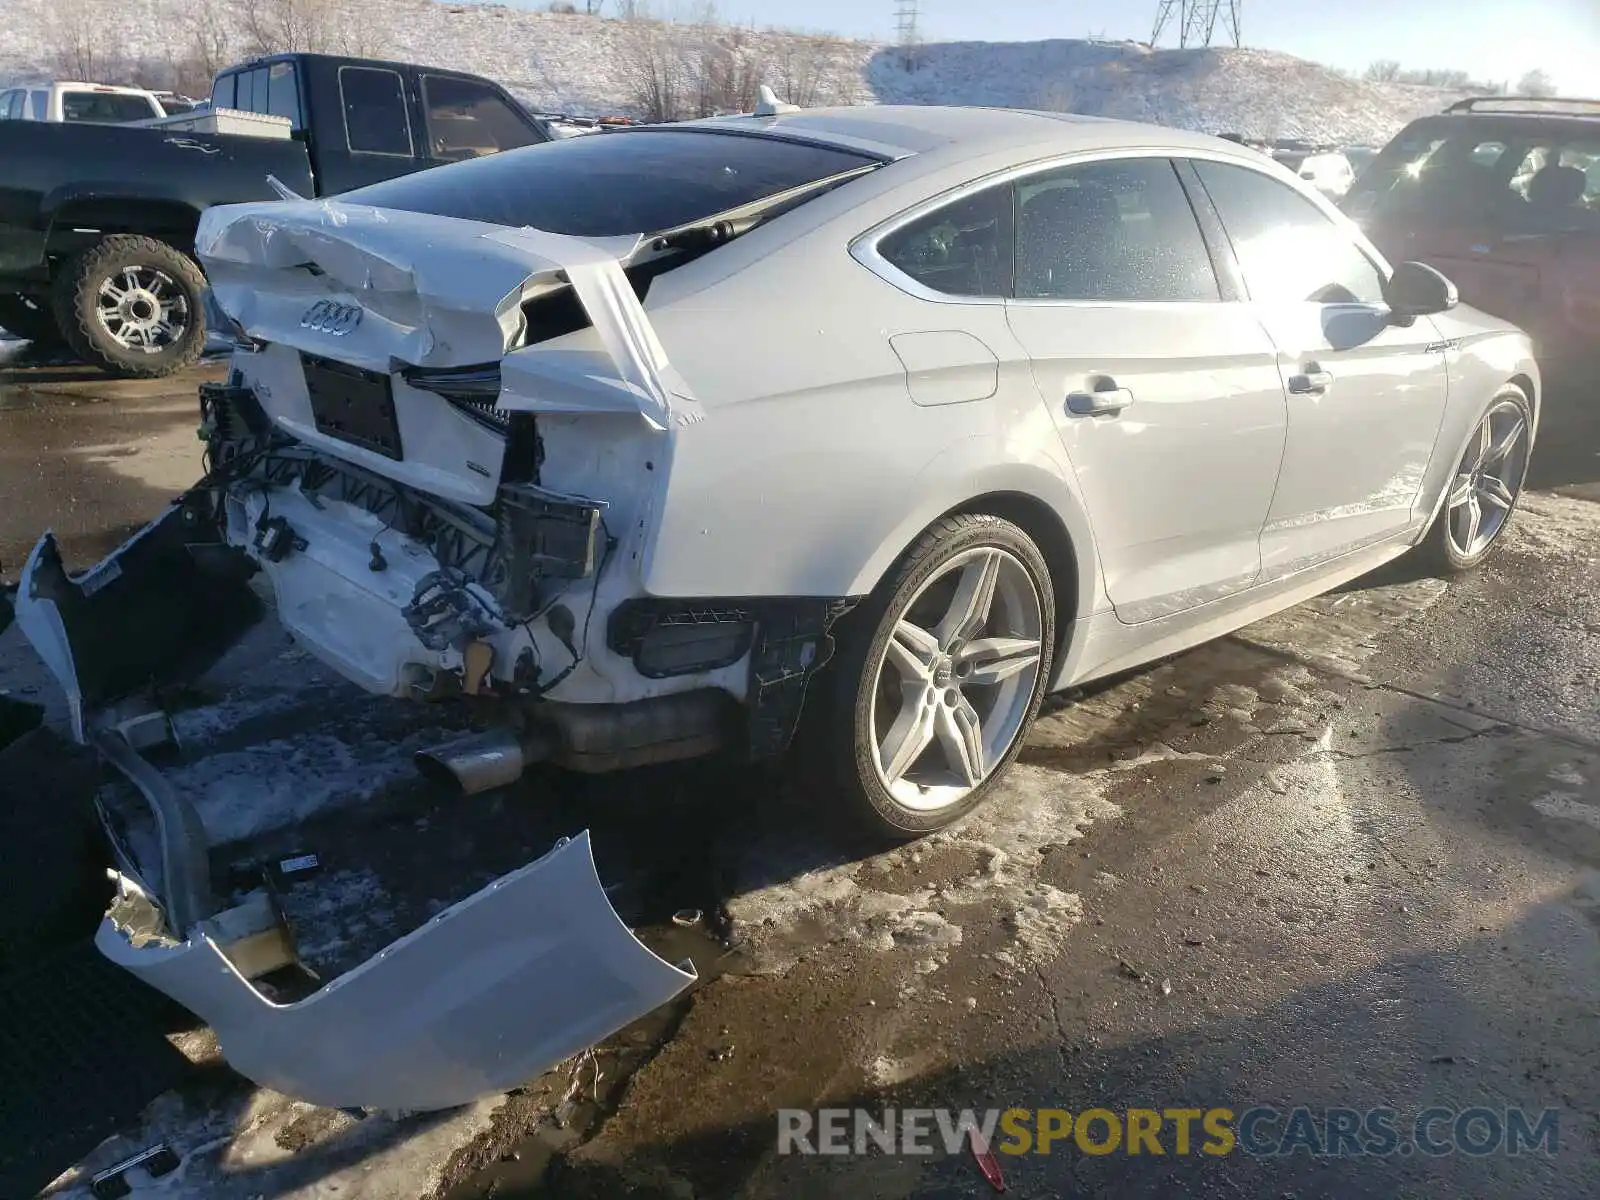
250	91
965	248
375	117
1111	231
1288	248
108	108
39	105
283	93
611	184
223	92
467	119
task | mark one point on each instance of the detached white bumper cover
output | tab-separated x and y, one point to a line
443	292
504	985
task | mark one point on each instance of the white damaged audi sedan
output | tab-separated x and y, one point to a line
865	428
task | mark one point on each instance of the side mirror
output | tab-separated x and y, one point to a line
1417	290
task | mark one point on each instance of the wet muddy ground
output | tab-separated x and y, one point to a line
1348	857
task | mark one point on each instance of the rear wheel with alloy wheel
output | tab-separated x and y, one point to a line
939	677
1484	490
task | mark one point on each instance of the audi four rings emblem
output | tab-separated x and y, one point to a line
331	317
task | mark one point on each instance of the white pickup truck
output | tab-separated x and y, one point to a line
101	103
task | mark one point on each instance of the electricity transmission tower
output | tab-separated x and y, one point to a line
1197	21
908	33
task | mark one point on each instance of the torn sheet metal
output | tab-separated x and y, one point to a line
551	379
441	292
487	995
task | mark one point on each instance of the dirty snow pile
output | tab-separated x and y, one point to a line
995	864
594	65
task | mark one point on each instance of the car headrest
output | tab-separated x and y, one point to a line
1557	187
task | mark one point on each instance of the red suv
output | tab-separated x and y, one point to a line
1503	196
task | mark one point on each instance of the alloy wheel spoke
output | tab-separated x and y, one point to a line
1495	492
1460	490
1500	450
909	736
1474	515
969	607
912	650
961	737
991	660
1484	444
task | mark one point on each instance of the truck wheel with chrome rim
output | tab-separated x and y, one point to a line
131	306
1484	488
938	677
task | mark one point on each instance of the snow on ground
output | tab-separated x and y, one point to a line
1032	809
589	65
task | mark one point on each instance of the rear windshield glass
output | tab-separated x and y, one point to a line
1522	177
610	184
104	107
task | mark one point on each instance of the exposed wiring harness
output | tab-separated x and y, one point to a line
576	650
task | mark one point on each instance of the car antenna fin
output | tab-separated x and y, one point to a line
768	104
285	192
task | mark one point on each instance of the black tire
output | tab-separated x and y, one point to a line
835	741
76	294
1438	552
29	319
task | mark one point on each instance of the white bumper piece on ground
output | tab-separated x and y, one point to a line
485	996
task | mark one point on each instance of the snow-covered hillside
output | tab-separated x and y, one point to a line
591	65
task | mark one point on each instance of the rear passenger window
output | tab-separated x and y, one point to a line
283	93
252	91
1288	249
963	249
1111	231
375	117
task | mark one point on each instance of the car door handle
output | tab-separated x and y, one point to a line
1099	401
1314	382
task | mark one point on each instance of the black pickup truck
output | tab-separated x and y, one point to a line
97	222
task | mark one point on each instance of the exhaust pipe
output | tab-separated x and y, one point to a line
481	761
591	738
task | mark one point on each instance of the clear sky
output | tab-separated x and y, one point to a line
1493	39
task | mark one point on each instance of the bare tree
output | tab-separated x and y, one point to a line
803	67
207	48
272	26
656	70
593	7
1384	70
1536	83
354	27
80	31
